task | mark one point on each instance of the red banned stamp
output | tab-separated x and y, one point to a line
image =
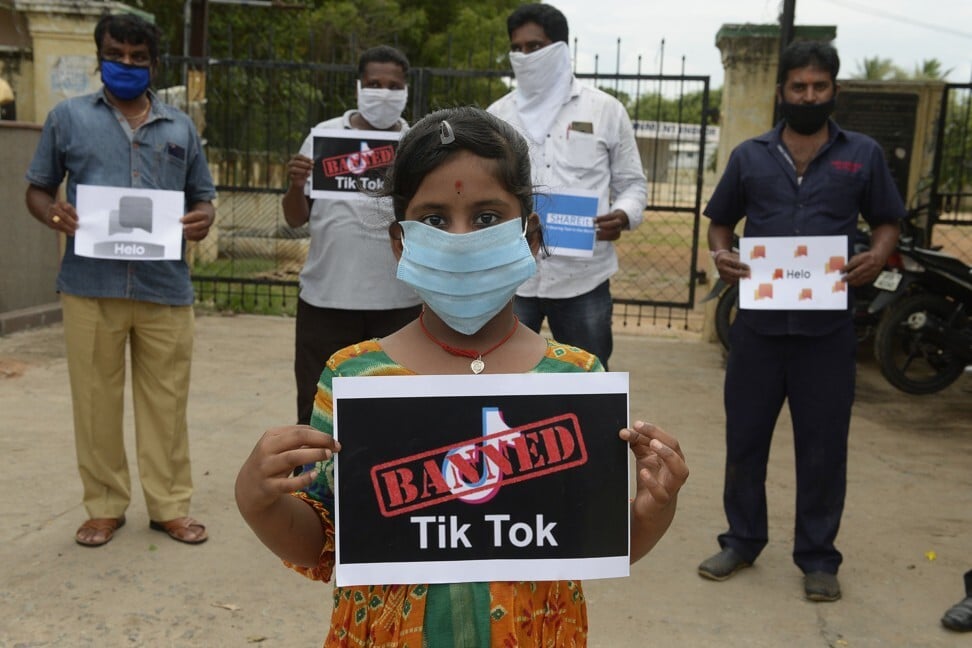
474	470
358	162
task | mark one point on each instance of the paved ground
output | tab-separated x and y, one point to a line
907	533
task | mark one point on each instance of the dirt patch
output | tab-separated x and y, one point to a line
11	368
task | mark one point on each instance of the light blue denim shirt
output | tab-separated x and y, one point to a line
88	140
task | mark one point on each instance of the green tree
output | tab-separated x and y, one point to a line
955	172
878	69
930	69
884	69
686	109
448	34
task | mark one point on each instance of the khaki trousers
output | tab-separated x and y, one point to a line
96	332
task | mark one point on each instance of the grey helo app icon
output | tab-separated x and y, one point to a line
133	212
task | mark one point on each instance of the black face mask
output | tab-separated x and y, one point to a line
807	119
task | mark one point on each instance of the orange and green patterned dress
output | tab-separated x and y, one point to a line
461	615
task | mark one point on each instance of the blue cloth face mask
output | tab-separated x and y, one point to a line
466	279
125	81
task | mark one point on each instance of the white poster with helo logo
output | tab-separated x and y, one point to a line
794	273
350	163
129	224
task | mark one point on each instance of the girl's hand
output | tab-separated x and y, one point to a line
266	473
661	468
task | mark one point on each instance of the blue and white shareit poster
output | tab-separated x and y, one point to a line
568	222
506	477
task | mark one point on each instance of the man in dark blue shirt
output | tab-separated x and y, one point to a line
807	178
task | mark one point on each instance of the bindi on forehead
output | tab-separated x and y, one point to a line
458	187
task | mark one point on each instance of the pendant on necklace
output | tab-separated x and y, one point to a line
477	365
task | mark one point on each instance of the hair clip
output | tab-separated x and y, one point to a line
446	136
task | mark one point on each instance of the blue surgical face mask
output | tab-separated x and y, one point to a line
466	279
125	81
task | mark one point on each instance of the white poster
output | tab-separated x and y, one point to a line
129	224
450	479
794	273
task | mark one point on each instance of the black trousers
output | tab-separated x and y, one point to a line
815	375
322	331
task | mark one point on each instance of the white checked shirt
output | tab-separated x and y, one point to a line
605	160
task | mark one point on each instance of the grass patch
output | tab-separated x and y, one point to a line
252	286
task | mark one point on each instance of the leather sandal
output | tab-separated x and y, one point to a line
104	529
182	529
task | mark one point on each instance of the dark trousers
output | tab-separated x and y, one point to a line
322	331
815	374
583	321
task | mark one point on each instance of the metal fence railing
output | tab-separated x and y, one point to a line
951	192
257	113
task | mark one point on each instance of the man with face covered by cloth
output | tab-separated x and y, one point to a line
580	138
348	289
807	177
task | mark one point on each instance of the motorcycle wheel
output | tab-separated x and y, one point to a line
725	313
909	351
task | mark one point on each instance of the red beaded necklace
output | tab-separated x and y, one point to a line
478	364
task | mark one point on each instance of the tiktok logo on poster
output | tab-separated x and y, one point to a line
474	471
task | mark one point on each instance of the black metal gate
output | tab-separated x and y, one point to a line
950	195
257	113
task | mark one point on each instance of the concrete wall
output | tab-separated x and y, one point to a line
29	252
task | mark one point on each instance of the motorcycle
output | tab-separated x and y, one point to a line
923	341
865	321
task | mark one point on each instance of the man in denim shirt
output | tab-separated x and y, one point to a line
806	177
123	136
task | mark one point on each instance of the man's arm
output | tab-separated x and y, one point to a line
198	220
864	267
42	203
628	184
296	204
731	268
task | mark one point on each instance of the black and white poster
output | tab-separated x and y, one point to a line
445	479
350	163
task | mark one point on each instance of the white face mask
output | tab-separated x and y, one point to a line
541	71
543	82
381	108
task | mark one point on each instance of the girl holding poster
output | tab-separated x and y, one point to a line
465	236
